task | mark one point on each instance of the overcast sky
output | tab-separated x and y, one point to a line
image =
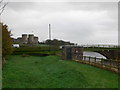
78	22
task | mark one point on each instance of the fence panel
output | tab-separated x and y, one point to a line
103	62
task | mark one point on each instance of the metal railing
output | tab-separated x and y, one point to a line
102	46
103	63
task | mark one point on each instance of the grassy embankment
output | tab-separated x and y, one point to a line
52	72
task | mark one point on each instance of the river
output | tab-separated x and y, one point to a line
93	54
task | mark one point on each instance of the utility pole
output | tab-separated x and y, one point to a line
49	31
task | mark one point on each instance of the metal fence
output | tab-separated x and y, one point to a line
102	46
103	63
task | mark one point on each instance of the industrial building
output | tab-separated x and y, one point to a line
29	39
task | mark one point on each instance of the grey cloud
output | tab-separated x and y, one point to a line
81	23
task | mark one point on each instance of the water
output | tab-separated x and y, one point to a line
97	55
93	54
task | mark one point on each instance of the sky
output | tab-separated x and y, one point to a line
77	22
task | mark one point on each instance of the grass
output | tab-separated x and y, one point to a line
52	72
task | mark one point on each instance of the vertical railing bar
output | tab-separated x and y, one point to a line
89	59
95	60
102	62
110	62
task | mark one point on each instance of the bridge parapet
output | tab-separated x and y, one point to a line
110	54
101	46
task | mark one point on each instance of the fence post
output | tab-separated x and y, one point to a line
102	62
89	59
118	66
84	58
110	63
95	60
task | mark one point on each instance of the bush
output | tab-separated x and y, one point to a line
41	51
35	49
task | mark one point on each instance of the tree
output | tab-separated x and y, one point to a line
6	41
57	42
2	6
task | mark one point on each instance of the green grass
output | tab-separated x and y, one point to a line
52	72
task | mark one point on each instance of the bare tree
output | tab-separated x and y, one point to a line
2	6
1	1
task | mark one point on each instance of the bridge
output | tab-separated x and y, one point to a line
76	53
109	51
100	46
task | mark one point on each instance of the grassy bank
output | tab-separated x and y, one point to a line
52	72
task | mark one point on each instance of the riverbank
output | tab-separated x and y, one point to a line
52	72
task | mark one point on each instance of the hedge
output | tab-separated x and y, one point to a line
36	50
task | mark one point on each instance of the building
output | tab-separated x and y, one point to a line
29	39
24	39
